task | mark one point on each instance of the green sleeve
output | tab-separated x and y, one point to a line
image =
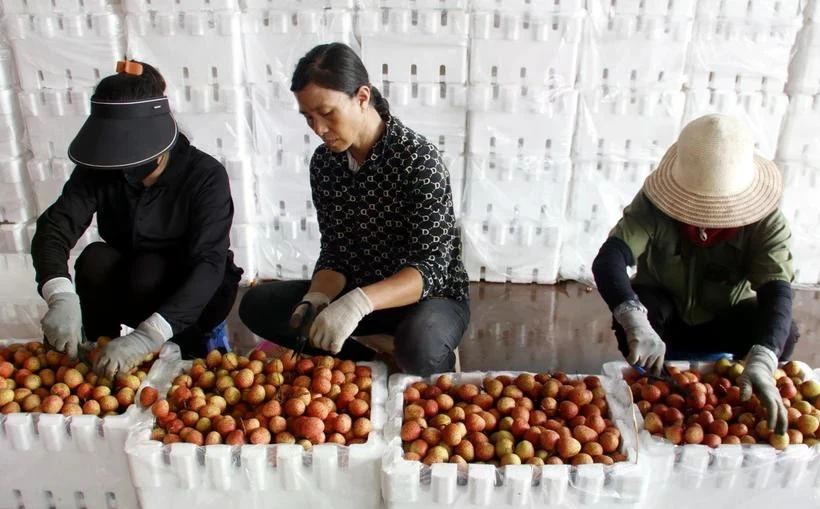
637	226
771	257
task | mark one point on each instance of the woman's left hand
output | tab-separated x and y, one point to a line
338	320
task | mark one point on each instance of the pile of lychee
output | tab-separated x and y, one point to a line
706	408
34	378
232	399
535	419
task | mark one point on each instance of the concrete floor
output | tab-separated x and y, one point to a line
559	327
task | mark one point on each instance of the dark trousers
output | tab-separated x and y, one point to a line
117	288
426	333
732	331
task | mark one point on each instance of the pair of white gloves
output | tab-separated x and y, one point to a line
62	327
647	349
336	320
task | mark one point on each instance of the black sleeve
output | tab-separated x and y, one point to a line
211	216
61	226
775	306
609	269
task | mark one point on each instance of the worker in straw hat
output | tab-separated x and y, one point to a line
714	268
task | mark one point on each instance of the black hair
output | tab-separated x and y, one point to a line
337	67
124	87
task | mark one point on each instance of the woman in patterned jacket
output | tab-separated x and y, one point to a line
390	259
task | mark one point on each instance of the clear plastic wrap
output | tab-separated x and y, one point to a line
224	476
410	484
753	476
50	460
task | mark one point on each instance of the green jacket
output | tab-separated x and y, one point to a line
704	281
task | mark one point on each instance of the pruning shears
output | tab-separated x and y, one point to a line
302	327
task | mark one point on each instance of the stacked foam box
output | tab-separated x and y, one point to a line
629	112
799	149
411	484
54	461
197	46
276	35
522	115
738	63
233	477
753	476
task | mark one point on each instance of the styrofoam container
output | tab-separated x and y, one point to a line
53	461
728	471
410	484
256	476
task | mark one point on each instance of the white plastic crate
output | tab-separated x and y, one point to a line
511	250
626	125
511	121
410	485
61	51
699	476
207	46
185	475
627	50
517	187
275	40
745	55
601	188
503	46
763	112
79	460
288	248
799	139
423	46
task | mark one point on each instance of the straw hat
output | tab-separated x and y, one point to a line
712	177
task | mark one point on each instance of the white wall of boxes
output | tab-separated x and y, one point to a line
549	113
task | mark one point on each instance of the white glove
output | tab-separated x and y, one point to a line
62	323
316	299
646	348
127	352
338	320
758	374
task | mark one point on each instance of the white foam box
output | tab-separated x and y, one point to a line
16	202
275	37
741	54
805	249
676	9
582	240
11	125
528	6
14	238
48	177
628	50
410	484
513	120
280	133
437	111
53	461
283	195
207	45
288	247
243	187
804	69
303	4
21	307
699	476
601	188
627	124
517	187
503	44
214	118
252	476
751	10
415	45
149	6
244	247
763	112
518	250
52	6
800	182
62	51
799	139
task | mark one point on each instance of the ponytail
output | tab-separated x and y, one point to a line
379	103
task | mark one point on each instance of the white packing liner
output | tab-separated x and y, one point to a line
288	247
256	476
410	484
58	461
751	476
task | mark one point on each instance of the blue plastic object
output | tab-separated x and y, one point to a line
219	339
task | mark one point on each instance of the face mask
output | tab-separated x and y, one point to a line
136	175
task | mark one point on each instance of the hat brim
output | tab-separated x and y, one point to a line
749	206
119	143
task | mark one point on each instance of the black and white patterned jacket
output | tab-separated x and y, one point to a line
395	211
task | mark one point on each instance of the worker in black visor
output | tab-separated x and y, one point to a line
164	213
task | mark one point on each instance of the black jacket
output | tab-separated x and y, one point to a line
186	214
